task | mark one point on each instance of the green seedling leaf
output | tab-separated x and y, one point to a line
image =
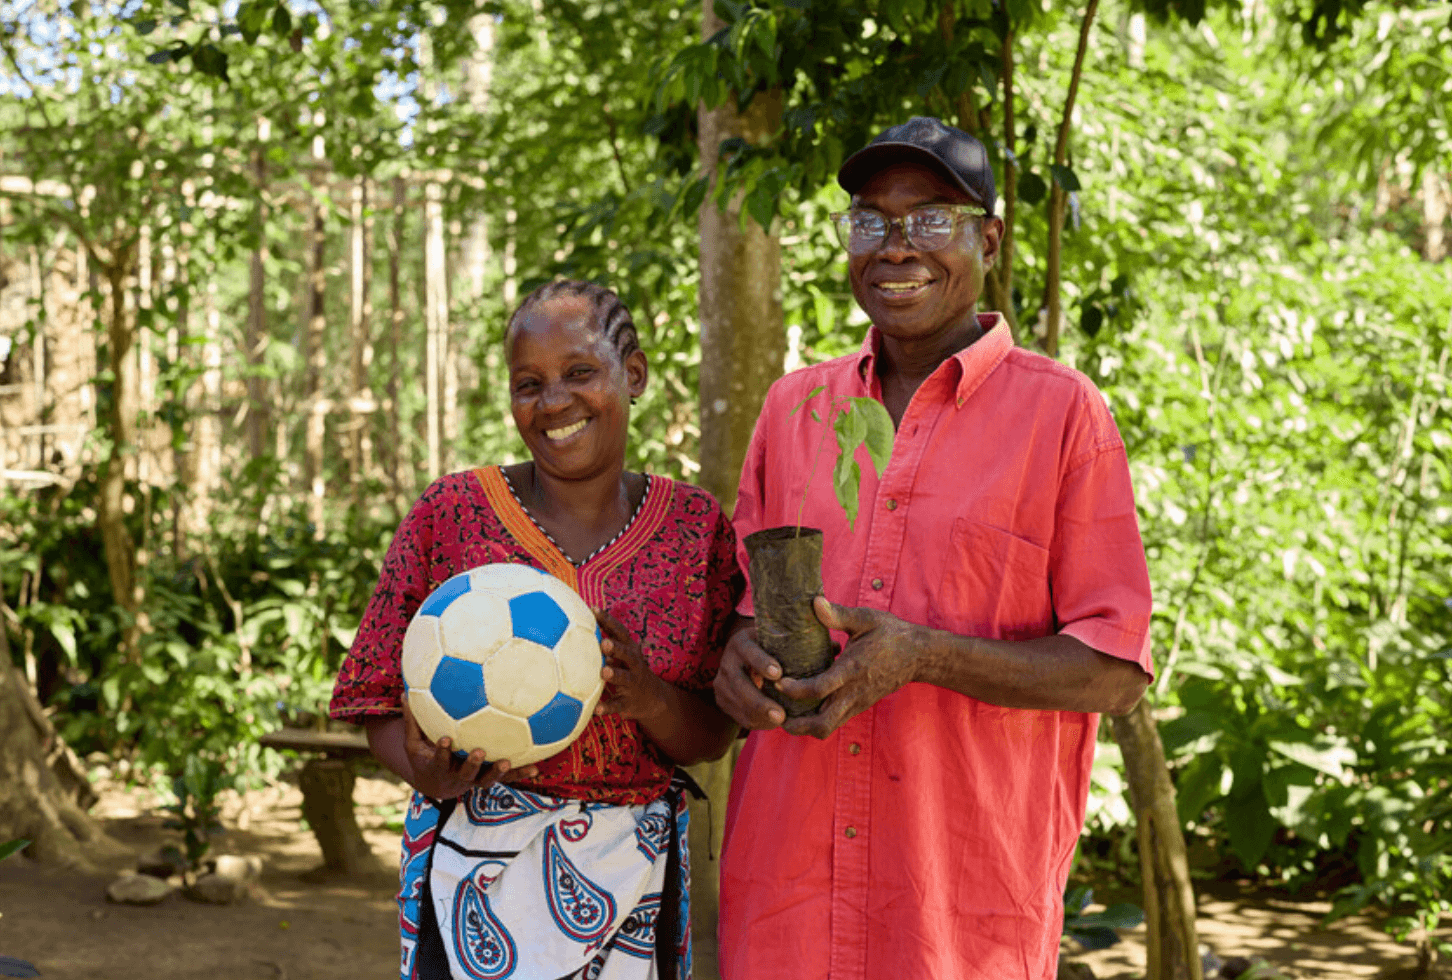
846	475
879	431
810	395
851	430
12	847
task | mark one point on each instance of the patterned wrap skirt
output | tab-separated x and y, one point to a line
506	883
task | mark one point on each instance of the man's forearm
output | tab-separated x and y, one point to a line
1053	673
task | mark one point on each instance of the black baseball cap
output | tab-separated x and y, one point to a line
926	140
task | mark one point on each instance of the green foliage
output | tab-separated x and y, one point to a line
856	422
243	633
194	809
1096	930
13	847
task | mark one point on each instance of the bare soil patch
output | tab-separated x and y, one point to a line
298	928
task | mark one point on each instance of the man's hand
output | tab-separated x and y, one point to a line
745	666
883	654
633	691
438	775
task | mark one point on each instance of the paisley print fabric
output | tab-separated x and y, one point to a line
549	890
671	579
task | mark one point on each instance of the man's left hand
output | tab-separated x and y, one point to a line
883	653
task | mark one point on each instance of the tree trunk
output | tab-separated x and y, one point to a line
117	544
317	363
1173	949
35	804
1058	197
358	446
256	335
743	342
436	321
1435	200
394	443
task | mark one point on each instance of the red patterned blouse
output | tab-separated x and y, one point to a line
670	578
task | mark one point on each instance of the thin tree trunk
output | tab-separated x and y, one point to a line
998	283
206	473
1173	948
1000	277
743	343
1058	196
317	362
119	548
357	444
258	411
394	443
1435	195
436	321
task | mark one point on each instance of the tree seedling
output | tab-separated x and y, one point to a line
855	421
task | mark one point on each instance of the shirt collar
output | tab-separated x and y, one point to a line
973	363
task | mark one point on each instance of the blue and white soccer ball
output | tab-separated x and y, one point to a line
503	658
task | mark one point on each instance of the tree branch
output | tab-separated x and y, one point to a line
1057	197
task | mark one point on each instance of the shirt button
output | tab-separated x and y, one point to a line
877	584
892	504
854	748
851	831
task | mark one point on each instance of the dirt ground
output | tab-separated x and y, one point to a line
299	929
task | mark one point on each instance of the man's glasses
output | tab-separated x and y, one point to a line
927	229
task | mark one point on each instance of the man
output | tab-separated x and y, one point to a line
990	600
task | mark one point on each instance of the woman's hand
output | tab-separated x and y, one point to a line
686	726
632	688
439	775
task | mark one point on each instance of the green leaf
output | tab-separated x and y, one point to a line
12	847
1031	188
210	60
761	205
1064	177
1251	828
878	431
851	429
1121	915
144	27
1189	727
281	21
810	395
1331	760
846	477
252	18
1093	938
693	196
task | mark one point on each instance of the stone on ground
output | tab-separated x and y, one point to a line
134	889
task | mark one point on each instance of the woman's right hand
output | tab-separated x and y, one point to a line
745	668
439	775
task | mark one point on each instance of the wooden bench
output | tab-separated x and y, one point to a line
326	781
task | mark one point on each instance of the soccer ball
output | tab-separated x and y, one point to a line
503	658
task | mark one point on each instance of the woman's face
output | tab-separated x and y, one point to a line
569	389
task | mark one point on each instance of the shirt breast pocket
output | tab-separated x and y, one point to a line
995	585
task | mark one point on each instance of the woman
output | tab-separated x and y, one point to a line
488	890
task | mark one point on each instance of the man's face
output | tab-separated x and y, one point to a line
912	294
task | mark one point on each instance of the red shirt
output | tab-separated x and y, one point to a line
670	578
930	836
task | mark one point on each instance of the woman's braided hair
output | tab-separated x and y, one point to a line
610	313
